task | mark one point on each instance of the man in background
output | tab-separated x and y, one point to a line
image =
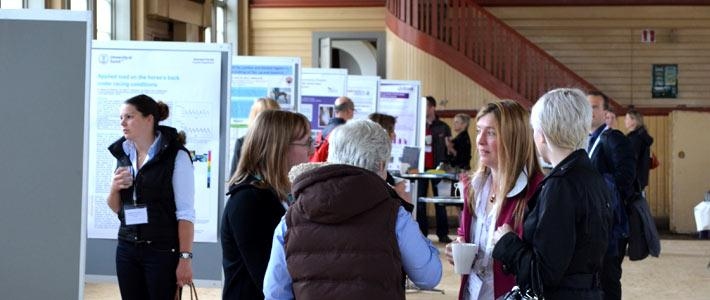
435	152
611	154
344	111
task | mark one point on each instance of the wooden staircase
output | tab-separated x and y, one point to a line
479	45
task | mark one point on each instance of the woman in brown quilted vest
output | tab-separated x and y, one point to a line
324	247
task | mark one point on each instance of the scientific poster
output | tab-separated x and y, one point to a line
363	91
188	80
401	99
319	89
255	77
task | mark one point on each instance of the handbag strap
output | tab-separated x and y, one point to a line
193	291
536	285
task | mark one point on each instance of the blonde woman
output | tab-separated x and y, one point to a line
641	143
508	173
259	105
258	197
459	148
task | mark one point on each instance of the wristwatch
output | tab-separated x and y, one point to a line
186	255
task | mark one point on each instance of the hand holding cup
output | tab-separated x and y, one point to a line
122	178
463	256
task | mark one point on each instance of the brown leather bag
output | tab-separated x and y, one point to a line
193	291
654	161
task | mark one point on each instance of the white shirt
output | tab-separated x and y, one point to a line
480	282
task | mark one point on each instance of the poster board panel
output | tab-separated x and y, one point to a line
44	59
192	78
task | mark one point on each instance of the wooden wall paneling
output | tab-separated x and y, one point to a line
288	31
406	62
603	45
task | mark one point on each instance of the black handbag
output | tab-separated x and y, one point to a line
535	292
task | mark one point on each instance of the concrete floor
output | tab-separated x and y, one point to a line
682	272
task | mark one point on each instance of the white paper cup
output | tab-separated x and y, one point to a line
464	254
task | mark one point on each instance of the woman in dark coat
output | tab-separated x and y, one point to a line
641	143
459	148
258	197
565	233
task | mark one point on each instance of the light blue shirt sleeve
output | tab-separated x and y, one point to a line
277	280
184	187
420	258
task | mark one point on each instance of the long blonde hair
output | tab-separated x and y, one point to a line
516	153
260	105
265	148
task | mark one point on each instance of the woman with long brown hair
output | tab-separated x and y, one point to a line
259	189
508	173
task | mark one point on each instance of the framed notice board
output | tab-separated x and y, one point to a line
664	81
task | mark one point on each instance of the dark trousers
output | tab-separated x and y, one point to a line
146	270
611	273
442	223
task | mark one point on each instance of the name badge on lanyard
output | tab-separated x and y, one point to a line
135	214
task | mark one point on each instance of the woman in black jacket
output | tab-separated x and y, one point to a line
641	143
459	148
258	197
565	233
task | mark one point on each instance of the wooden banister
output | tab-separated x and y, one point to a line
478	44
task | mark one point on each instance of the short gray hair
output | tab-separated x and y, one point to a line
360	143
564	116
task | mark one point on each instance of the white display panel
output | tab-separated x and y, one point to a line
319	89
185	76
254	77
363	91
401	99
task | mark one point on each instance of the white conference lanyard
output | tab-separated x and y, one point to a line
599	137
489	239
135	214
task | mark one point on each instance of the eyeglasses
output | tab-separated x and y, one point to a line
309	143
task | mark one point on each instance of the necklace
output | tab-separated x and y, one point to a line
493	198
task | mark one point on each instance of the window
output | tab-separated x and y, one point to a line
219	21
216	32
104	19
78	5
11	4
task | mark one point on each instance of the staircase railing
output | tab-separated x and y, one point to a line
520	68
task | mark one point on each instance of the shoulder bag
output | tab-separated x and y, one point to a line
534	292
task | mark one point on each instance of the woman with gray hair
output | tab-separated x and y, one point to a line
346	236
565	233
